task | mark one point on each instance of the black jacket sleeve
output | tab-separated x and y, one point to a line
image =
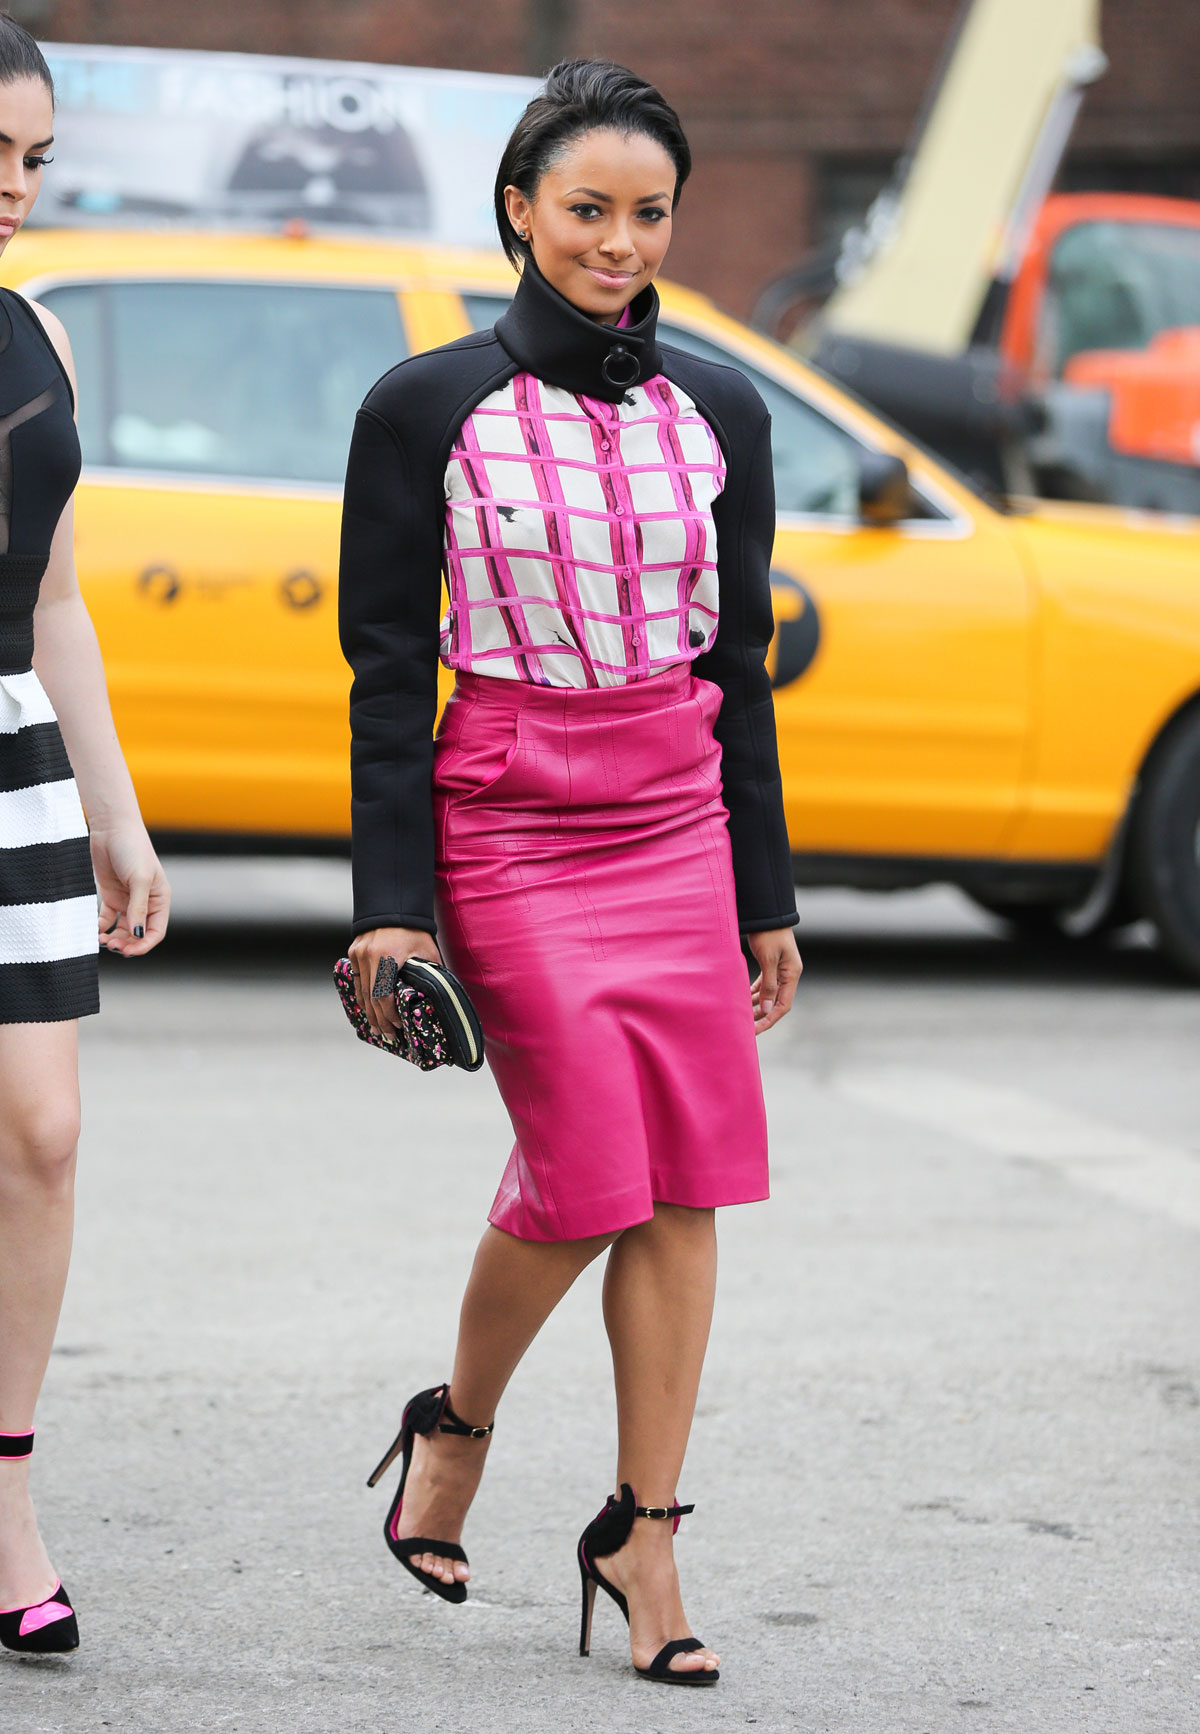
744	517
389	607
389	598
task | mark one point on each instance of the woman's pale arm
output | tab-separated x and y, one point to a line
134	894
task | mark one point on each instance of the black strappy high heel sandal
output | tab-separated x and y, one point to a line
46	1628
607	1534
427	1410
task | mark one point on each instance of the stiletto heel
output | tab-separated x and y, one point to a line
606	1534
44	1628
589	1608
427	1410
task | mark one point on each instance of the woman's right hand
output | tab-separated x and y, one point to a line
368	951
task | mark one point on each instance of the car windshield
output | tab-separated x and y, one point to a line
1116	285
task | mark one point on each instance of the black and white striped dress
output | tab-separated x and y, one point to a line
48	942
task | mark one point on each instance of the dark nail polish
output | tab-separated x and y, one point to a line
139	933
114	926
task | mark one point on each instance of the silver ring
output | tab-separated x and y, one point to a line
386	978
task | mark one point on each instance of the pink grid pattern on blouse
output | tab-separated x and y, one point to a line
580	547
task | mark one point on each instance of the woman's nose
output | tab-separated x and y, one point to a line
12	179
617	244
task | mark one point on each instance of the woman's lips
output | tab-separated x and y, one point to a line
610	279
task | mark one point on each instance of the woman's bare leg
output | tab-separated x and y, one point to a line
514	1287
658	1302
39	1128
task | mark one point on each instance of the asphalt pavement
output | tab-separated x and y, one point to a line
945	1461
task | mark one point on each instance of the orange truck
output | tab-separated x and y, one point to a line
1081	379
1102	327
1040	343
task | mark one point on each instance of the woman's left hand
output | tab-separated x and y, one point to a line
135	898
780	970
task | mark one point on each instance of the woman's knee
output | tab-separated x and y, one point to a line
674	1225
37	1144
685	1219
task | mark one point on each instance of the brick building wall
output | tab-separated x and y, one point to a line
795	108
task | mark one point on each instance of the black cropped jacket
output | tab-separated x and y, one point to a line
393	527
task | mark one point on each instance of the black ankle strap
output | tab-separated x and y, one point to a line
663	1511
16	1444
452	1423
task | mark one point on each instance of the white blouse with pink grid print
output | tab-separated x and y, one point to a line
580	547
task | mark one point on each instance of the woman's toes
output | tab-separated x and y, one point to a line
696	1662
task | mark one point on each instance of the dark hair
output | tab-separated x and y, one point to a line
20	56
579	96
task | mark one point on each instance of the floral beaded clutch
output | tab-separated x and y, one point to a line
438	1024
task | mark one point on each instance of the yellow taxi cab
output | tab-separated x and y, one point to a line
1003	699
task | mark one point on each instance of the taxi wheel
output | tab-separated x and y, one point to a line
1165	846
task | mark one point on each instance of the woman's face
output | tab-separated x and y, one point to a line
26	134
599	222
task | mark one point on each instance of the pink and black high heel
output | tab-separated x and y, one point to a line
45	1628
607	1534
427	1410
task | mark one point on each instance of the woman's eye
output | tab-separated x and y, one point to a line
653	214
585	210
37	162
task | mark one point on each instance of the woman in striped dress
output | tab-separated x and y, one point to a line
50	675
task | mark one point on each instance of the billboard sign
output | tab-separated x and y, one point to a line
164	137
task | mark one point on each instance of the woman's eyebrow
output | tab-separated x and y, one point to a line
645	199
41	145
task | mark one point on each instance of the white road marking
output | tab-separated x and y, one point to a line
1144	1172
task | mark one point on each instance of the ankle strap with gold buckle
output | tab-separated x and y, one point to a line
452	1423
662	1511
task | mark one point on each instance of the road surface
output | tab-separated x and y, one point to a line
946	1455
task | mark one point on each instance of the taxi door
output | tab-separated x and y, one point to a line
215	418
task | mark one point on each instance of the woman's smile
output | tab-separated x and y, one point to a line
608	278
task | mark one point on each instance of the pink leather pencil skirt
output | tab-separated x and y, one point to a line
585	898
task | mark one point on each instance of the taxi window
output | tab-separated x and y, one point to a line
259	381
816	462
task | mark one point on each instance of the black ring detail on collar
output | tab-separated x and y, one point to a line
621	366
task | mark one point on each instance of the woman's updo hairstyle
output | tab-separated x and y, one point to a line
20	56
581	96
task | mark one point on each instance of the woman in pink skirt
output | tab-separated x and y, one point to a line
599	817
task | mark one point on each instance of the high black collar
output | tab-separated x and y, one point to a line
548	337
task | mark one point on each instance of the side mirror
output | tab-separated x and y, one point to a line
884	491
